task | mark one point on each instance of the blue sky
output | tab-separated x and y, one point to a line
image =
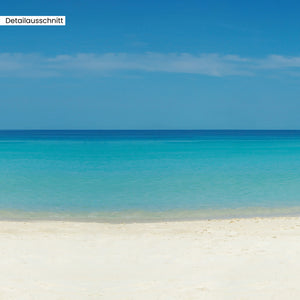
152	65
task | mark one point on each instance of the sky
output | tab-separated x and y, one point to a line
152	65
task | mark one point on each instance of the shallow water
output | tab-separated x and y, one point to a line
139	175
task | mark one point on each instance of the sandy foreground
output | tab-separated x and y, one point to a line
218	259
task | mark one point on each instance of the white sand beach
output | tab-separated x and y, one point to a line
217	259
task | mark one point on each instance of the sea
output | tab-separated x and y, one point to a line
148	175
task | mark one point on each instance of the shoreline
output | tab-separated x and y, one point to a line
252	258
128	217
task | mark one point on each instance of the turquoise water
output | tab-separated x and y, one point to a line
148	175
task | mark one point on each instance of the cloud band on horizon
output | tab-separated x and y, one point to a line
37	65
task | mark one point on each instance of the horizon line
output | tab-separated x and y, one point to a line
218	129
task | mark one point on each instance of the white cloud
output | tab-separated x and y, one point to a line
279	62
24	65
207	64
35	65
